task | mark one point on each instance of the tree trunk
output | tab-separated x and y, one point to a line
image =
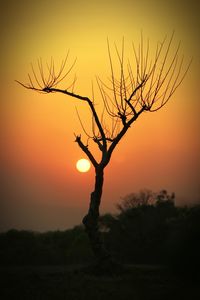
91	219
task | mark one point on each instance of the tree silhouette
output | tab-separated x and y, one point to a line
143	198
133	88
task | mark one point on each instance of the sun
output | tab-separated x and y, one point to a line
83	165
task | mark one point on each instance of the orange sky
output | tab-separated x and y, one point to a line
41	188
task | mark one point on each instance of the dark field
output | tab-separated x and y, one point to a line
74	283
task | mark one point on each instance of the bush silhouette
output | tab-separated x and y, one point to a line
154	232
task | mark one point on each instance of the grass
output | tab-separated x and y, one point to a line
73	283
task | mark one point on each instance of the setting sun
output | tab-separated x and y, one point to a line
83	165
39	157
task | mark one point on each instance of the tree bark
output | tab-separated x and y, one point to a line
91	219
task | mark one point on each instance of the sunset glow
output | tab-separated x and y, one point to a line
40	182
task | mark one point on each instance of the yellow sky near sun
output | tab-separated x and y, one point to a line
37	130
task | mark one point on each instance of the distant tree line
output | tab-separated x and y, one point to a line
48	248
148	229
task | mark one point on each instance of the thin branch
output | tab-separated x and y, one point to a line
147	85
112	73
82	124
121	134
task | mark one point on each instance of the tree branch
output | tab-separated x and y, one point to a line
128	101
122	133
90	103
86	151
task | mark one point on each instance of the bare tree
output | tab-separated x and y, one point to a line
143	85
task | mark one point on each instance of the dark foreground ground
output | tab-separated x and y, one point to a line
73	283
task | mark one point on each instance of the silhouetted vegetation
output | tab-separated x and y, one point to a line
157	243
49	248
149	229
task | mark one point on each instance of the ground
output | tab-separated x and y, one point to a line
138	282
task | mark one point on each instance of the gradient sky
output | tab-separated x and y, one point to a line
40	186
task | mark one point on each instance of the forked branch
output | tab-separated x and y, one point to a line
144	84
